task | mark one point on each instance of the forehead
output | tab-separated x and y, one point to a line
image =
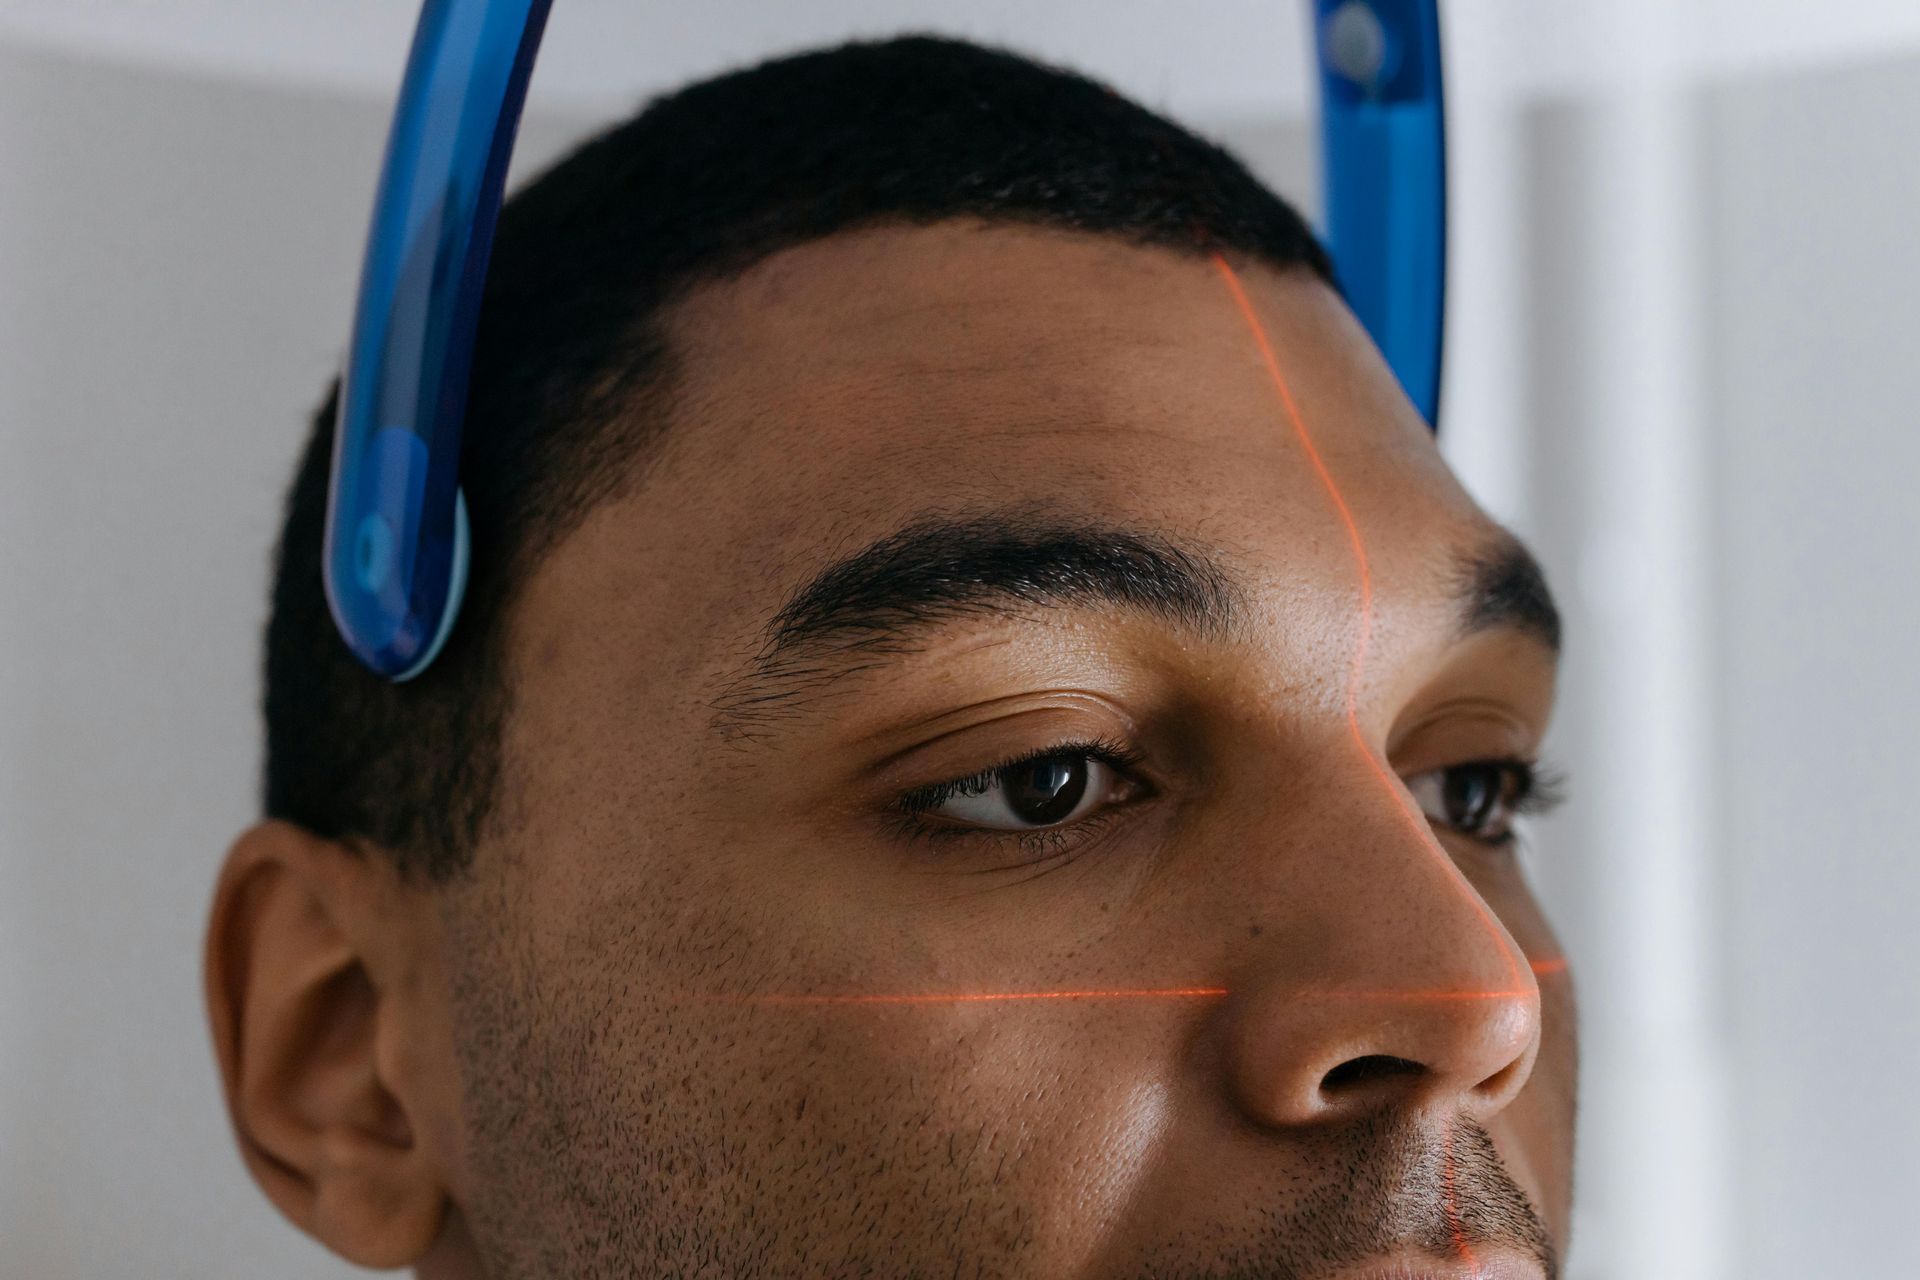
842	388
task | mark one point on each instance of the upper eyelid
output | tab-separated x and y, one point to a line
922	798
1119	756
948	787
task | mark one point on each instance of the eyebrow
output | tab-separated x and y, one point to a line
1500	584
882	601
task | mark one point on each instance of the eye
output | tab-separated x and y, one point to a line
1058	786
1035	793
1481	799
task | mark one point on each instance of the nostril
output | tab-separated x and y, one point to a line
1508	1077
1355	1072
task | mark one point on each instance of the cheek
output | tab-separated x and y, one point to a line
1039	1116
1040	1110
1033	1115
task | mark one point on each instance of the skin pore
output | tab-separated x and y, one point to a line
697	1009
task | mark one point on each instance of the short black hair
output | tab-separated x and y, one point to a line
572	378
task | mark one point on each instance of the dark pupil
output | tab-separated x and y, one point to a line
1470	795
1044	791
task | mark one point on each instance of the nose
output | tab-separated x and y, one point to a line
1391	985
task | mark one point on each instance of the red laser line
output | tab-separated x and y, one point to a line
1415	997
1556	964
970	997
1455	1227
1417	822
1382	774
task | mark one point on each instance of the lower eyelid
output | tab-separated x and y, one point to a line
1053	841
1042	843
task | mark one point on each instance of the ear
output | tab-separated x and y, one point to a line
311	977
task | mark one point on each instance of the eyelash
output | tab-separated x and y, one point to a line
1538	789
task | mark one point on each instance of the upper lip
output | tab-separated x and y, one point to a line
1486	1264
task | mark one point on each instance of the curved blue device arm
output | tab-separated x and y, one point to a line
1383	152
396	540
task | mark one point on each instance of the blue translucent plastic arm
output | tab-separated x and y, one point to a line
395	557
1383	150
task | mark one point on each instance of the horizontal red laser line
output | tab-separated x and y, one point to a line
1415	997
971	997
1553	964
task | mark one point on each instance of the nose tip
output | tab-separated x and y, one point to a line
1339	1055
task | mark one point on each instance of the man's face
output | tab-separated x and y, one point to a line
768	972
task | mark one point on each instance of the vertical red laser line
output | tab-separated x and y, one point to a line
1417	823
1455	1228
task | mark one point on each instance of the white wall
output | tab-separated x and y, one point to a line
177	260
1680	362
1814	276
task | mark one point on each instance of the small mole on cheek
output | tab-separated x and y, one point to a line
1253	931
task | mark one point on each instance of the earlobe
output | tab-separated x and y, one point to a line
298	1018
